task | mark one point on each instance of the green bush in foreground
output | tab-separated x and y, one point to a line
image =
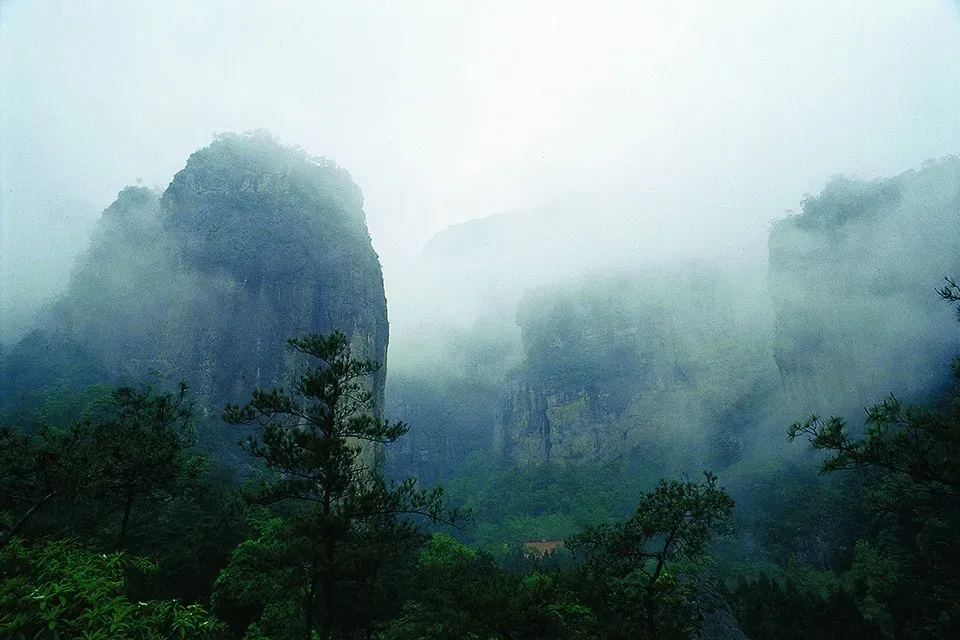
61	590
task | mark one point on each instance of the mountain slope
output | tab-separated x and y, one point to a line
251	243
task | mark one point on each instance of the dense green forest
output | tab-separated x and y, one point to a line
116	525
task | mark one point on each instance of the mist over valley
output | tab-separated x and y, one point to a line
499	320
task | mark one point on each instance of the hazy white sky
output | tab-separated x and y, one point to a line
444	111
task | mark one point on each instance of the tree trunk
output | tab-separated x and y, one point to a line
311	597
326	630
663	556
329	430
128	507
5	538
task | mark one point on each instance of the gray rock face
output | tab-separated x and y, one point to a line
673	360
713	360
250	244
614	367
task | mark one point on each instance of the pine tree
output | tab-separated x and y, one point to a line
343	524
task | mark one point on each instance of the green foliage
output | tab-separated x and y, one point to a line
140	451
261	581
876	573
786	513
502	536
673	522
334	554
57	404
311	436
461	593
909	572
35	470
61	590
123	477
628	576
914	448
512	503
189	529
41	366
790	610
133	451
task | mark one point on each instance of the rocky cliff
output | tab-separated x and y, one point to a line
710	359
848	316
651	364
251	243
852	281
660	361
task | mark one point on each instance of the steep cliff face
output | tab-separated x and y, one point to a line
280	242
852	281
660	361
251	243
